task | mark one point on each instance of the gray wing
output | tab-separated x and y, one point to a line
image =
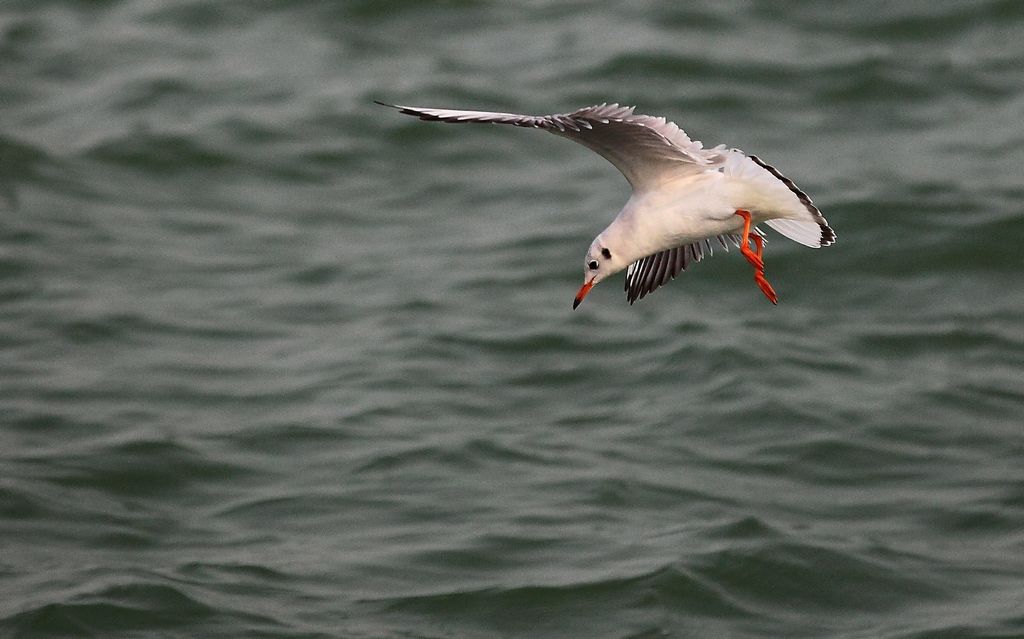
651	272
643	148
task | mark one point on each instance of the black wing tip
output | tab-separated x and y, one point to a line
413	112
405	110
828	236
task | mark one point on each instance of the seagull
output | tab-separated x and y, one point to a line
683	196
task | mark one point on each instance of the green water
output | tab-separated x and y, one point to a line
278	362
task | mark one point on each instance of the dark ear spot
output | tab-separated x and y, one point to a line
606	253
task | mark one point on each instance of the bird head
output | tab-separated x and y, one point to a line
601	261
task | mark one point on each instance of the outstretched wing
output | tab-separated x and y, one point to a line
643	148
651	272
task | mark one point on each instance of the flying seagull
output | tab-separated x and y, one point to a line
684	196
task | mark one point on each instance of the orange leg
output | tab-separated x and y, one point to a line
765	287
756	260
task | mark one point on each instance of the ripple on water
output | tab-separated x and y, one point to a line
521	608
141	468
132	607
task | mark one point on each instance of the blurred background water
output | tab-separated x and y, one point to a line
278	362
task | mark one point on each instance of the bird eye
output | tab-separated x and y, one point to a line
592	264
606	253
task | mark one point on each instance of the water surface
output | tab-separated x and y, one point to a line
278	362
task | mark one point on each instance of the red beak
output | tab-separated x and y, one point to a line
583	293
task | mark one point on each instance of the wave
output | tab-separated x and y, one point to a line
134	607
